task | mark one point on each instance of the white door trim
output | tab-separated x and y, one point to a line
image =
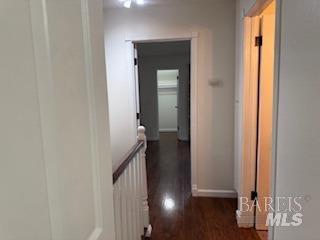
193	37
277	55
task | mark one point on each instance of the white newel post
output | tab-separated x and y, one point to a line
145	206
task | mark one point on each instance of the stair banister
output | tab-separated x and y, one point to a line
131	194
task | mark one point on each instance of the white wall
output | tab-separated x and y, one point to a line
215	23
298	141
168	100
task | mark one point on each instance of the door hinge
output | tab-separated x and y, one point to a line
135	61
258	41
254	195
138	116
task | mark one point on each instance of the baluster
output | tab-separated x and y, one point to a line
131	197
139	195
131	207
124	206
136	196
117	205
145	205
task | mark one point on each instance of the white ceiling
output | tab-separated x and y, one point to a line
118	3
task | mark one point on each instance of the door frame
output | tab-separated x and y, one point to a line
247	168
193	38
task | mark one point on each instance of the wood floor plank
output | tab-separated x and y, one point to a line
174	213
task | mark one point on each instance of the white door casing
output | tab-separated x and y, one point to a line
193	37
136	73
245	217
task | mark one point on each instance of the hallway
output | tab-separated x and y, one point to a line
174	214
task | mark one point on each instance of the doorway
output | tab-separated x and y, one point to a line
168	100
164	105
259	51
192	39
164	88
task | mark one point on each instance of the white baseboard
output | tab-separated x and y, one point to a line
213	193
245	219
194	191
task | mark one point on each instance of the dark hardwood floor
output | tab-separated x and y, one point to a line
174	213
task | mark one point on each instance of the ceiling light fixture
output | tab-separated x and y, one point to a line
140	2
128	3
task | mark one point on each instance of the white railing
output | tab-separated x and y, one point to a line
130	193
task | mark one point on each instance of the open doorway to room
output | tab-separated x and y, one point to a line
259	49
164	88
164	109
